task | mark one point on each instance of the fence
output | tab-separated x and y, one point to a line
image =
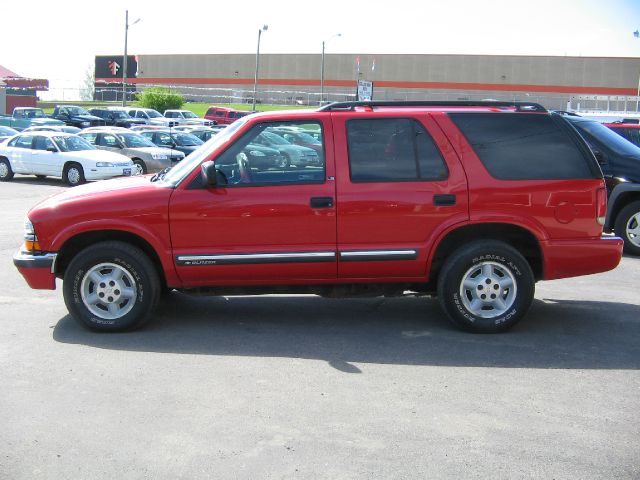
613	104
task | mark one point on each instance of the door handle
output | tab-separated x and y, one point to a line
444	200
321	202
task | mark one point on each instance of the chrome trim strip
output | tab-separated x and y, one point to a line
248	258
377	255
53	256
373	253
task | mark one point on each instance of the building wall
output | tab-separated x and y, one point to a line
3	100
407	77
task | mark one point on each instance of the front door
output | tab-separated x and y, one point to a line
266	222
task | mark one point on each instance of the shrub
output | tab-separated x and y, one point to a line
160	99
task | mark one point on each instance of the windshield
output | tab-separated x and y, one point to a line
273	139
188	114
606	136
77	111
119	114
72	144
187	140
186	166
153	114
133	140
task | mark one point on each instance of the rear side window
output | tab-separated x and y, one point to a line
392	150
516	146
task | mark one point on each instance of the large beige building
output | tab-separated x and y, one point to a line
556	82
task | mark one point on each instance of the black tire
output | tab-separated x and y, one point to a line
140	279
73	174
6	173
503	264
629	219
140	166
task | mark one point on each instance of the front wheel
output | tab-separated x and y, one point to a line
111	286
486	287
627	227
73	174
6	173
139	167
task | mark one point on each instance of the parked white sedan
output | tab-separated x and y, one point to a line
57	154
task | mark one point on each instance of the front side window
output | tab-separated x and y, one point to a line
164	139
90	137
43	143
250	162
108	140
392	150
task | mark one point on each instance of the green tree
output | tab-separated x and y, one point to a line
160	99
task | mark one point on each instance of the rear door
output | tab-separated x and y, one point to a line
399	186
263	223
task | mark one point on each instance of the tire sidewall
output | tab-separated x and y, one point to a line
620	226
80	175
453	272
73	296
9	174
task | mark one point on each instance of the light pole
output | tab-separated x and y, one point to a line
124	61
255	79
322	66
637	35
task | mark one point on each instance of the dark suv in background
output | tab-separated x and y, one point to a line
619	160
116	118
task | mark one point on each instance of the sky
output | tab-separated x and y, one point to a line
58	39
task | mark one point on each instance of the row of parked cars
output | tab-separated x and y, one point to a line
54	150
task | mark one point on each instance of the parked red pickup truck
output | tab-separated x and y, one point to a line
475	201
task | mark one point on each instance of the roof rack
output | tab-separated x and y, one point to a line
519	106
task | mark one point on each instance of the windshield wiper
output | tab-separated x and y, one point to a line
160	175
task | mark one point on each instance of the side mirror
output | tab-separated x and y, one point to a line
51	148
600	157
209	174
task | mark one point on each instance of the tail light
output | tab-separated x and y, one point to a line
601	205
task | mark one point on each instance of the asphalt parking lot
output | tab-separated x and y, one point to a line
305	387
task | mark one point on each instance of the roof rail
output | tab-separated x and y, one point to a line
519	106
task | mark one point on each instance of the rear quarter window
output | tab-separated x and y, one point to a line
517	146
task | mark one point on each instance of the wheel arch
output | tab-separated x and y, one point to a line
73	245
622	195
517	236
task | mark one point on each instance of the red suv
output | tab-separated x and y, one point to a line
473	200
224	115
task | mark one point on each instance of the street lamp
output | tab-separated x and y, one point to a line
255	79
322	66
124	62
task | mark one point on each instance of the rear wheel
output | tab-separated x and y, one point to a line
111	286
73	174
139	167
627	227
6	173
486	287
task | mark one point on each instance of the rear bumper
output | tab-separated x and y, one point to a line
37	270
572	258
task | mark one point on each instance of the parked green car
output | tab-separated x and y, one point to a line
25	117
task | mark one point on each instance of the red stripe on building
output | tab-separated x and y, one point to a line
380	84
